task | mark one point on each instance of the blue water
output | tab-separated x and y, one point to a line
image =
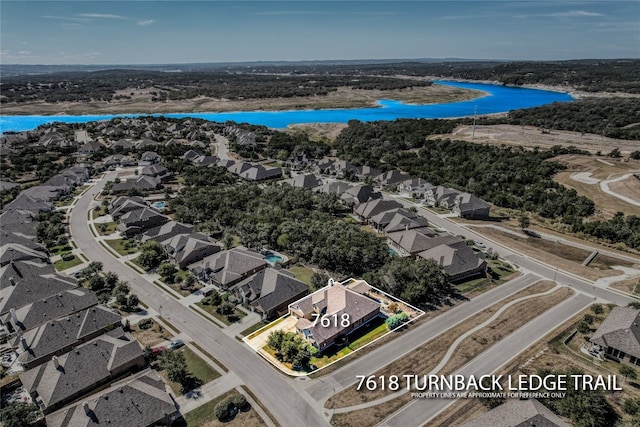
273	259
159	205
498	99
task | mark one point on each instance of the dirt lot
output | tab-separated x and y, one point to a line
629	187
415	362
342	98
530	136
152	336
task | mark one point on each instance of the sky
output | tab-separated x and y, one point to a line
163	32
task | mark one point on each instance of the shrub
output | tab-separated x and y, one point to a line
395	321
228	407
145	324
68	257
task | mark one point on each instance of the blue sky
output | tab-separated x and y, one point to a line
155	32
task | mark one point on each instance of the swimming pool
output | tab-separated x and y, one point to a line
273	259
159	205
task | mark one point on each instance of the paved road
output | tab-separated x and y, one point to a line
223	147
272	389
420	411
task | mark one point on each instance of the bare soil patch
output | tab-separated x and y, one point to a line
415	361
531	136
152	336
556	254
629	187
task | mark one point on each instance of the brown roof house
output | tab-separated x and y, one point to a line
337	303
619	335
270	292
140	401
88	367
518	413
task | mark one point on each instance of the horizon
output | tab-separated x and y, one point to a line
202	32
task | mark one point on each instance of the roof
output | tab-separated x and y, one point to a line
260	173
53	307
25	282
84	368
17	252
141	214
53	336
620	330
141	401
518	413
166	231
271	288
330	300
228	266
391	177
337	187
181	246
456	258
400	222
374	207
360	194
18	221
143	182
154	170
305	181
415	240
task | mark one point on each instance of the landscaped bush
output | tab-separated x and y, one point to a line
145	324
68	257
395	321
228	407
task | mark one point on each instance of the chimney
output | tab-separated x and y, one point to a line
55	362
87	410
23	343
441	260
12	280
14	316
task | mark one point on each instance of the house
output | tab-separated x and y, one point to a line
411	242
142	183
397	219
372	208
360	194
391	179
165	231
469	206
155	171
140	220
32	204
50	307
260	173
309	181
56	337
205	161
228	267
336	187
15	252
149	157
188	248
362	172
191	155
25	282
91	147
118	160
18	237
54	138
88	367
415	187
19	222
270	292
619	335
123	204
238	167
122	146
140	401
458	260
518	413
346	310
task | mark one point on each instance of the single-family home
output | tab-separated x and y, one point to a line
518	413
469	206
618	336
227	268
139	220
345	309
188	248
457	259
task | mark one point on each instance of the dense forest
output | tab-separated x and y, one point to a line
103	85
510	177
291	80
610	117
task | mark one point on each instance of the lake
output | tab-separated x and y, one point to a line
499	99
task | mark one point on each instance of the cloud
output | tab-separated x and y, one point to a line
292	12
575	14
146	22
66	18
101	16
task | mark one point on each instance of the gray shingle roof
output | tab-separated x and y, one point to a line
456	258
271	288
138	402
81	370
620	330
414	241
228	266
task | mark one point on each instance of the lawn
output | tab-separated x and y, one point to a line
203	415
79	190
251	329
198	367
61	265
60	249
302	273
500	272
211	309
120	246
63	203
377	328
107	228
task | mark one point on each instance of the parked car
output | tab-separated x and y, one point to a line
175	344
157	351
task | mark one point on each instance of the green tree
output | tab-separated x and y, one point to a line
597	309
175	364
583	327
628	372
18	414
524	221
152	254
275	339
318	281
167	271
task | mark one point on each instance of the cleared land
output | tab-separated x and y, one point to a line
530	137
341	98
415	362
509	321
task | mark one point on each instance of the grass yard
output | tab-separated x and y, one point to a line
63	203
199	367
500	271
98	212
107	228
122	247
302	273
61	265
59	250
203	416
211	309
251	329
